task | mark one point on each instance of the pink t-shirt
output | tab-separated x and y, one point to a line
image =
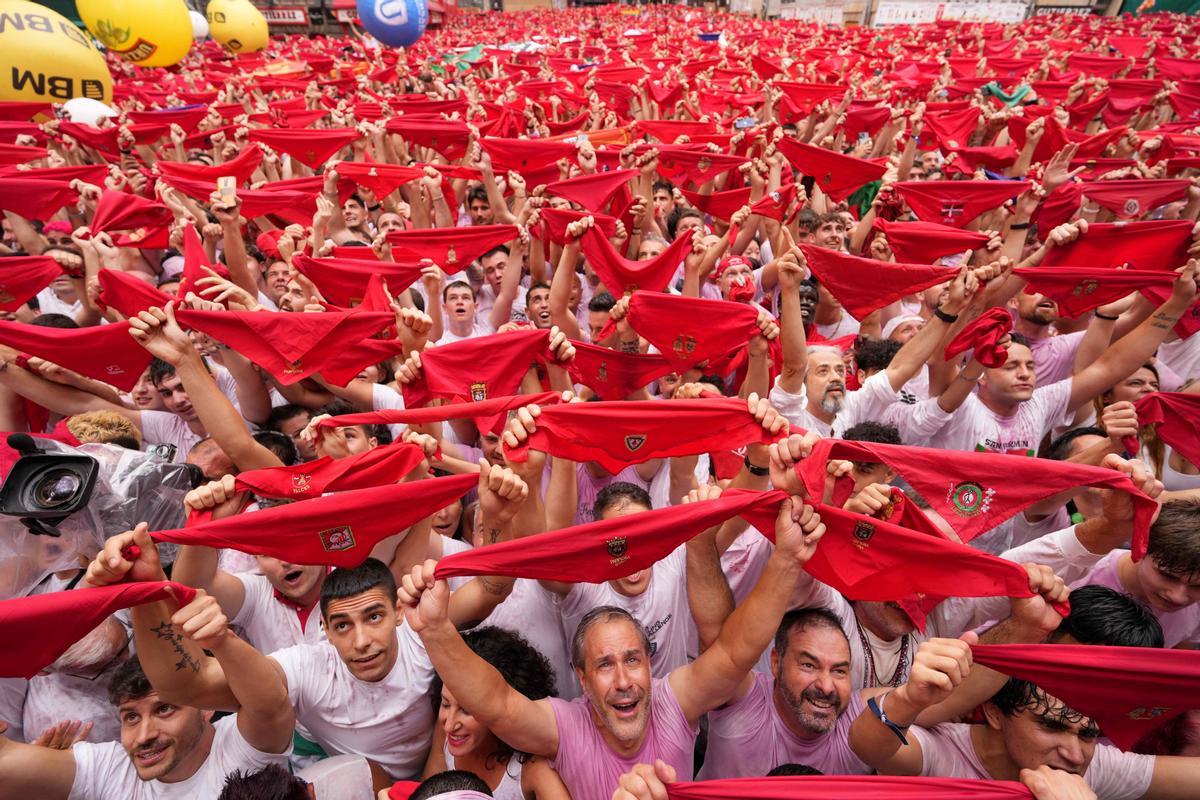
749	739
589	767
1179	627
1054	357
1113	775
590	486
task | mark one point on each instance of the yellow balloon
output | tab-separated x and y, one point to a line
149	33
238	25
45	57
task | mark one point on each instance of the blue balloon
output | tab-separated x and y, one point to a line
396	23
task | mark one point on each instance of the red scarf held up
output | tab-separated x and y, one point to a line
40	628
721	205
338	530
983	336
686	162
310	147
617	434
452	249
974	492
668	130
612	374
1154	244
106	352
863	285
1128	690
32	198
556	220
688	330
381	179
957	203
622	275
836	175
841	787
146	221
592	191
22	277
378	466
774	205
926	242
344	281
289	346
489	415
477	368
448	137
241	166
127	294
1078	290
1130	199
1177	417
525	155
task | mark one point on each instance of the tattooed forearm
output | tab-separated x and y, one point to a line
493	534
1163	320
493	587
163	631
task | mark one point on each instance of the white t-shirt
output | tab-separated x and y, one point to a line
868	403
163	427
846	326
536	614
104	771
270	624
49	303
477	330
385	398
662	609
388	722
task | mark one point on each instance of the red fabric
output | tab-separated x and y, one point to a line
687	162
802	98
241	166
105	352
448	137
983	336
598	551
21	277
293	205
1177	416
452	249
146	220
863	285
836	175
477	368
952	129
957	202
840	787
344	281
128	294
310	147
668	130
88	173
617	434
556	221
621	275
974	492
382	179
524	155
1177	69
485	412
775	204
346	365
337	530
1078	290
689	330
40	628
721	205
926	242
186	118
378	466
194	262
20	154
1155	244
289	346
24	109
1130	199
614	375
35	199
592	191
1128	690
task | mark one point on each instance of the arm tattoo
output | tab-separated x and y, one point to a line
492	587
163	631
1163	320
493	534
630	346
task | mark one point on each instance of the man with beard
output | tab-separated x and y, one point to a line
166	749
625	716
811	389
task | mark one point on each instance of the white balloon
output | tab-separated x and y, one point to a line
87	110
199	25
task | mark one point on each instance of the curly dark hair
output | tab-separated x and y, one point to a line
521	665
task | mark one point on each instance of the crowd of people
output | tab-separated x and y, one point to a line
613	403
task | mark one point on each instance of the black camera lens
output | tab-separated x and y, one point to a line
57	488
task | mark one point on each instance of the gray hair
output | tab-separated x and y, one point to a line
598	615
813	349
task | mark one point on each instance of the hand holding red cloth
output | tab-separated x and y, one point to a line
452	249
926	242
22	277
612	374
344	280
836	175
40	628
688	330
1155	244
591	191
310	147
1078	290
32	198
863	285
489	415
556	220
146	220
617	434
1177	416
621	275
338	530
105	352
378	466
477	368
843	787
983	336
1128	690
957	202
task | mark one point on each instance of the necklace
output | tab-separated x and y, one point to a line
871	678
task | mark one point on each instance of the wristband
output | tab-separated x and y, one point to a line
949	319
1019	226
761	472
877	709
1106	317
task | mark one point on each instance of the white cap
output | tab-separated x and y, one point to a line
896	322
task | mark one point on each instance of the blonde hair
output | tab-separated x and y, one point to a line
103	426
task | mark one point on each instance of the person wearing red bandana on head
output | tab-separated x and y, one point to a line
735	279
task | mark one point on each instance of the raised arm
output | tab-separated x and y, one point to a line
714	677
196	566
791	323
